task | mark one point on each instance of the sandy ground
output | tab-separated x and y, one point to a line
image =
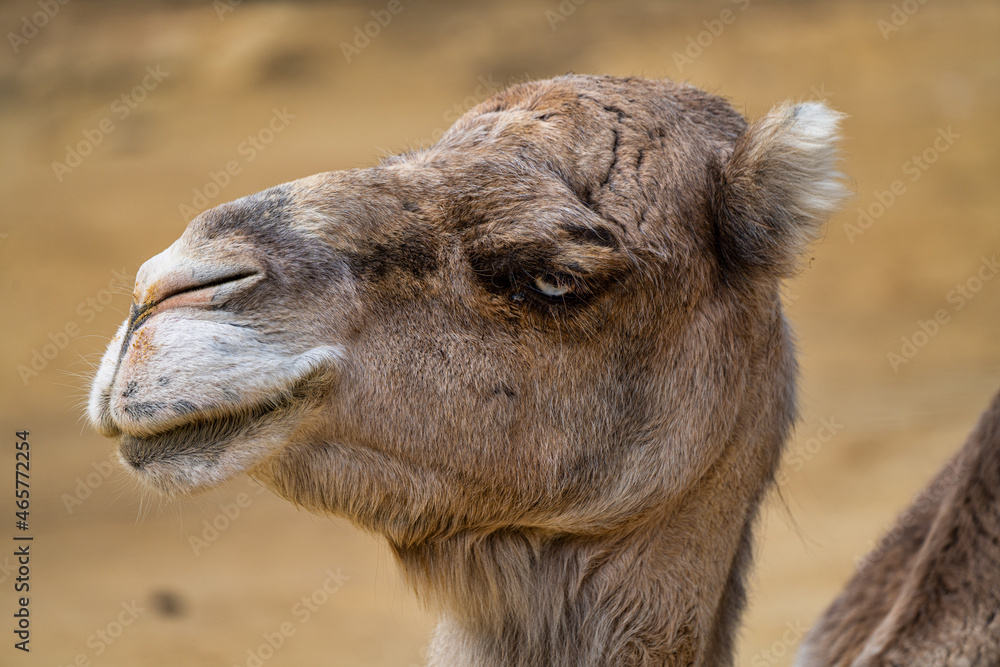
161	98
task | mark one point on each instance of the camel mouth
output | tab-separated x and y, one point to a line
222	442
205	438
200	404
206	452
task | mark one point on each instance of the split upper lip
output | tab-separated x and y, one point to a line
177	290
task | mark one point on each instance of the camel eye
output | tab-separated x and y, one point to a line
551	287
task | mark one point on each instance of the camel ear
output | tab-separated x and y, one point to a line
778	187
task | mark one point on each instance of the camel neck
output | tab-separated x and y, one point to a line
653	595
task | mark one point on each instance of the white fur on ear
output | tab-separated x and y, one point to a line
807	134
779	185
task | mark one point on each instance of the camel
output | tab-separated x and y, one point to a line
544	358
928	594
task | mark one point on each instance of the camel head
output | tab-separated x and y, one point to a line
562	317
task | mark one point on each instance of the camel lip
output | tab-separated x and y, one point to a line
210	435
204	440
104	423
221	420
205	446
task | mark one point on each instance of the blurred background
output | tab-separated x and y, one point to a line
120	121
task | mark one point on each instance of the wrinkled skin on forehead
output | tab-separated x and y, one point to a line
392	355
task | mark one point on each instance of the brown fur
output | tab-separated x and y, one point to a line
570	480
929	593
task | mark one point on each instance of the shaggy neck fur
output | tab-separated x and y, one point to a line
666	589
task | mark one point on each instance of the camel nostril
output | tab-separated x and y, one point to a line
187	288
174	289
179	288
